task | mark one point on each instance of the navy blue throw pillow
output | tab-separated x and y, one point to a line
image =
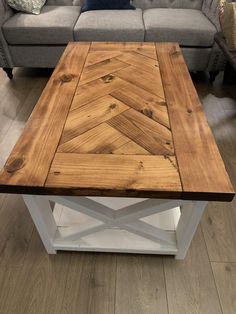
90	5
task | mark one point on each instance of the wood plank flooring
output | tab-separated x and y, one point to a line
32	282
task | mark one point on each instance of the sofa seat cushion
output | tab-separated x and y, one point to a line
110	25
54	25
186	26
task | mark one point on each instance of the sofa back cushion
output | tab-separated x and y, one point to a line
143	4
64	2
183	4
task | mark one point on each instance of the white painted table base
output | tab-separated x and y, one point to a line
109	224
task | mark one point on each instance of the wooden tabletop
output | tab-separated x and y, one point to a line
118	119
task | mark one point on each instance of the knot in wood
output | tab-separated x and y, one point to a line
66	78
14	165
112	106
189	110
141	166
107	78
161	103
174	52
147	112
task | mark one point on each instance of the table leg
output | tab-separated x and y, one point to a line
191	214
41	212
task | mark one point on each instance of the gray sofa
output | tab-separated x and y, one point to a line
38	40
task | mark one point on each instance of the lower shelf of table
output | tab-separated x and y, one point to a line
121	243
112	240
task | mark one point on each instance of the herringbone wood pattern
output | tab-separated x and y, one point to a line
119	106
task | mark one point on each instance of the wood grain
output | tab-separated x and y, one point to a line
151	82
102	139
89	116
139	61
225	277
189	283
144	102
144	48
99	172
90	286
122	46
105	67
14	120
148	51
131	148
15	232
200	164
99	56
152	136
218	224
30	159
40	276
95	90
140	285
8	281
219	220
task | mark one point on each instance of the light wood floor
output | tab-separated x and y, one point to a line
79	283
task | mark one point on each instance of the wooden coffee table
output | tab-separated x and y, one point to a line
120	141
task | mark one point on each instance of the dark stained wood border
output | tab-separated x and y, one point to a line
201	168
30	160
70	191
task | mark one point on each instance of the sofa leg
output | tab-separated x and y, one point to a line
229	74
9	72
213	75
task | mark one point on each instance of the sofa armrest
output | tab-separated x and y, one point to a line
211	9
217	59
5	13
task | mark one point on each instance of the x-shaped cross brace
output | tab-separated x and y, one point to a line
126	218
